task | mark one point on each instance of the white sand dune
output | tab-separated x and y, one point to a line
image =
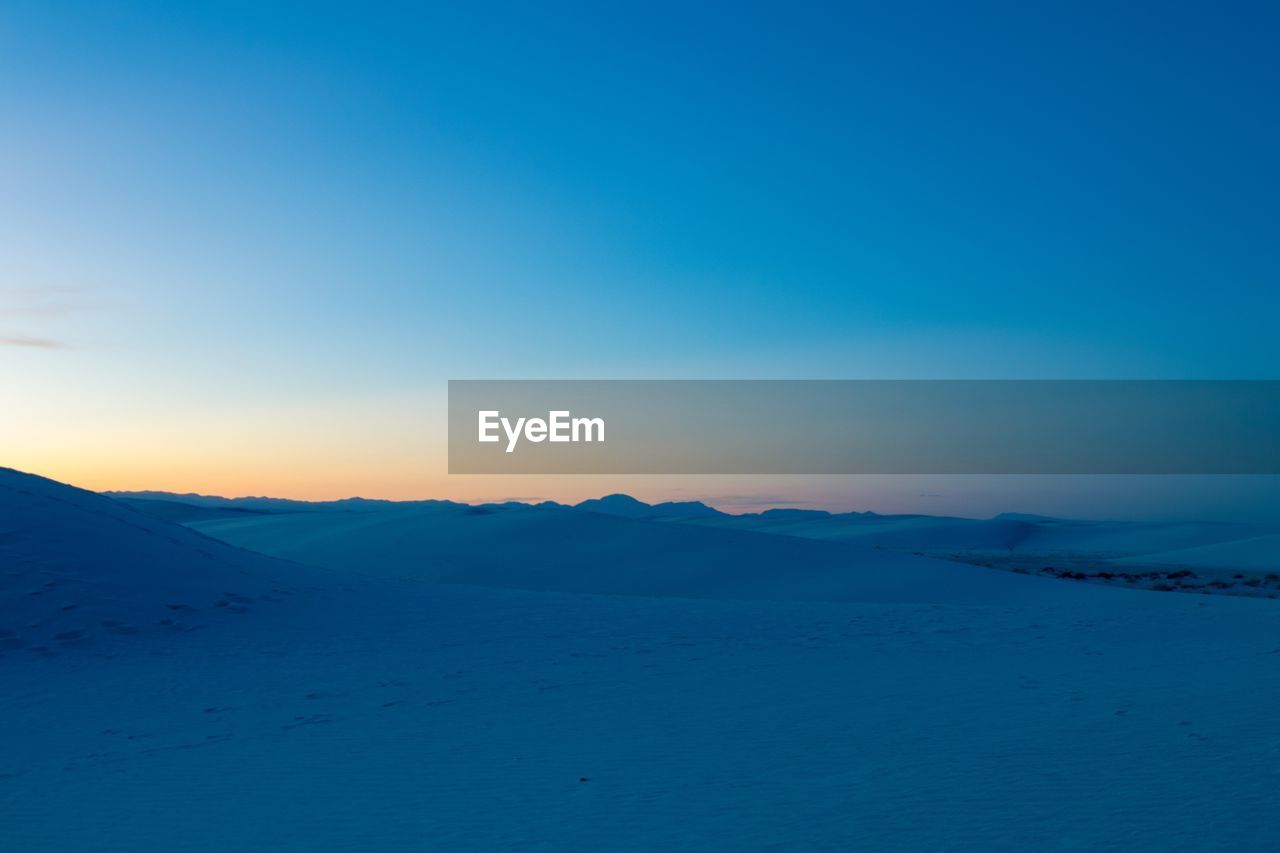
1131	539
1007	534
76	567
1259	554
566	550
900	532
183	512
373	713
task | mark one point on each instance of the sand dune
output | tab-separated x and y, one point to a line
930	533
461	718
1006	535
1260	554
78	568
566	550
899	532
183	512
371	712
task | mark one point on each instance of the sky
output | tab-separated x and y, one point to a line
243	245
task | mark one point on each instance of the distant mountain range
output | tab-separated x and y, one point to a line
1010	540
266	504
624	506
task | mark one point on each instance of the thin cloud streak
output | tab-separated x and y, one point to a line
49	301
753	500
31	343
46	301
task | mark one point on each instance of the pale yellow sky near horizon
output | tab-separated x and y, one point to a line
109	421
78	421
297	475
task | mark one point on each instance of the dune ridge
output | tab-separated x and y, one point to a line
372	711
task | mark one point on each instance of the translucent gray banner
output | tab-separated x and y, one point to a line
863	427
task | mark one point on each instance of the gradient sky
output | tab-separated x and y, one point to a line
242	246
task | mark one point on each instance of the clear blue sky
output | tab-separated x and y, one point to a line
276	210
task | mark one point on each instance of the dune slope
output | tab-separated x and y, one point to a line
571	551
1257	554
382	714
77	568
